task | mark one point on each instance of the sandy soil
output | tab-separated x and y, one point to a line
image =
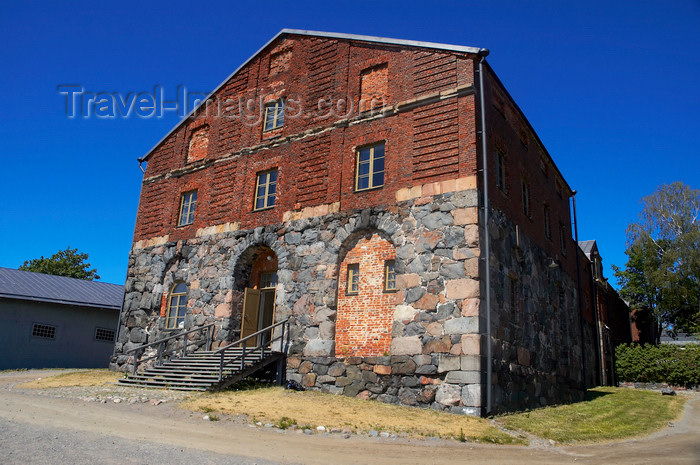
165	424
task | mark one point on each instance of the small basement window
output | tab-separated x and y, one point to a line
44	331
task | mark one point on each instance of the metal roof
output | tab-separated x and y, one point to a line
330	35
39	287
381	40
587	246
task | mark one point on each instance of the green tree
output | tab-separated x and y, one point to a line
663	249
69	262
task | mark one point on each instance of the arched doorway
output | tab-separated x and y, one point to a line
256	276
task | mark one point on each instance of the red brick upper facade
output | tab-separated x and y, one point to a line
427	137
421	103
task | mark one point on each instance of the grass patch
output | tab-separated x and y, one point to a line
285	422
309	409
74	378
608	413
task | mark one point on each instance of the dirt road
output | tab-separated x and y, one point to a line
39	429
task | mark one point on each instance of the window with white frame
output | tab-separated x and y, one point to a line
369	170
265	190
188	205
274	115
177	306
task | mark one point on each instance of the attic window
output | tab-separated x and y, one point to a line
524	139
598	267
374	87
279	61
525	192
274	115
498	104
501	170
199	144
562	239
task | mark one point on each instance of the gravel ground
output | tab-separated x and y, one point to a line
123	425
114	393
23	444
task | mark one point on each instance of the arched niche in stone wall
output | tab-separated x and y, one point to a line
365	302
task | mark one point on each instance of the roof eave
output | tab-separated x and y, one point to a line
71	303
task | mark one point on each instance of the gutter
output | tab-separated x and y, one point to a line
483	53
73	303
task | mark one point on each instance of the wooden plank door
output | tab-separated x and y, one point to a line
251	312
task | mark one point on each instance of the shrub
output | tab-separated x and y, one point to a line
672	364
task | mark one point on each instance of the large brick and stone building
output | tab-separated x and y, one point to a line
391	199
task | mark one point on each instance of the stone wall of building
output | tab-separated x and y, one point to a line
536	324
434	357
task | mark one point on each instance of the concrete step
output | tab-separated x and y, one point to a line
162	385
200	372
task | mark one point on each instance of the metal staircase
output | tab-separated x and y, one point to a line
209	370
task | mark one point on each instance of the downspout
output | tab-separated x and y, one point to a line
578	286
483	53
600	348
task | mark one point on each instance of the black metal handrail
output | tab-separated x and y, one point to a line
284	346
138	351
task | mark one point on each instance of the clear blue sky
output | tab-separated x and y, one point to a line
611	87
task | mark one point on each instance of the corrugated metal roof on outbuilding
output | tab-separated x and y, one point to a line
39	287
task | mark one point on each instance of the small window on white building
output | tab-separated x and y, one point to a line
104	334
44	331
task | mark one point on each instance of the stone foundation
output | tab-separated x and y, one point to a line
417	380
